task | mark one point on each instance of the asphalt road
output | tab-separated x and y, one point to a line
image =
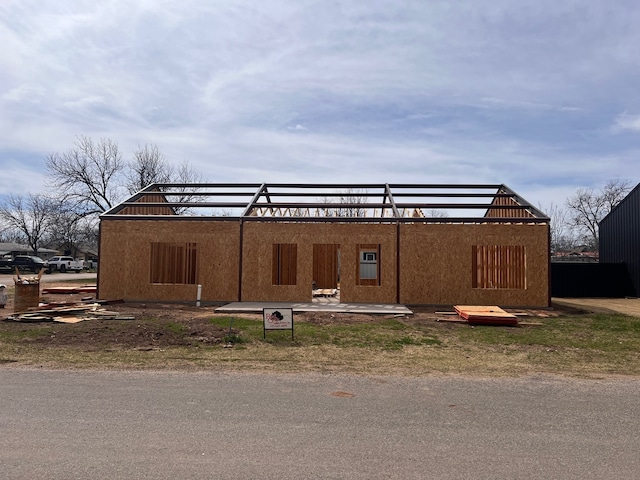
148	425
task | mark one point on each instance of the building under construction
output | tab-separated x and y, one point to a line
372	243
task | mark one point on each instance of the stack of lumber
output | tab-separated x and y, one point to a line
325	292
67	313
22	280
485	315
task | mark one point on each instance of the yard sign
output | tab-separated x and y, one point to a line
277	319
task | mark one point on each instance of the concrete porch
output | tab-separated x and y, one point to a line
329	307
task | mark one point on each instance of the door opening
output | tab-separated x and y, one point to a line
325	287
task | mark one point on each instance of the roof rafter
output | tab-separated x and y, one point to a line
330	202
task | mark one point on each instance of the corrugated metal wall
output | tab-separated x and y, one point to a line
581	280
620	236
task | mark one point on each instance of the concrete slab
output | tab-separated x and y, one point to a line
366	308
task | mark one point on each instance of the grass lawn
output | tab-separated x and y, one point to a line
589	345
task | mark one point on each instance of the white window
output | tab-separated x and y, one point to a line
368	268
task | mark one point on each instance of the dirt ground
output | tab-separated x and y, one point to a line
158	325
153	325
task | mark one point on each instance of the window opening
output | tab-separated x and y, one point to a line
284	264
369	265
499	266
174	263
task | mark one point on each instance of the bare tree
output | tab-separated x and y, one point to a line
9	234
68	227
88	174
437	213
563	237
354	197
148	166
30	215
92	177
329	210
587	207
345	204
185	174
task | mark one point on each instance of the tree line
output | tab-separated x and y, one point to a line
81	183
576	223
92	177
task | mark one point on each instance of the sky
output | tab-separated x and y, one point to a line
541	96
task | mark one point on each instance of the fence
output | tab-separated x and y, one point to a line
610	280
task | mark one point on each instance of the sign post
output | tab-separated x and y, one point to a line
277	319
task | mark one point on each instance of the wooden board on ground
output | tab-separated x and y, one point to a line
87	289
451	320
485	315
68	319
69	290
26	318
59	290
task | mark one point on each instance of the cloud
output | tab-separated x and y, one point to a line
626	122
503	91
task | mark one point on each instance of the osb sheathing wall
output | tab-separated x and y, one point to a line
257	257
507	212
436	264
435	261
141	210
125	249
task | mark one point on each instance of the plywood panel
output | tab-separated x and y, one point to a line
125	256
174	263
142	210
437	264
507	212
325	265
436	261
284	264
499	266
259	238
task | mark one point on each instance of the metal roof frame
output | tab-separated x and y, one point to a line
332	202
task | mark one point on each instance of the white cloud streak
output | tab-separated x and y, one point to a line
626	121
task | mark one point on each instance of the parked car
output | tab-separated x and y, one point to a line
65	264
91	264
6	263
29	263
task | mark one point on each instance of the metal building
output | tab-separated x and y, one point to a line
620	236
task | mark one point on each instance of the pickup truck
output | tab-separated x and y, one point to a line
23	262
65	264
